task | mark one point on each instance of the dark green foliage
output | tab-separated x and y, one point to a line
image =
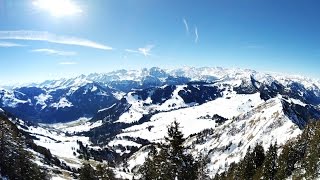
203	173
87	173
48	157
156	165
171	161
310	162
287	160
249	168
251	163
15	161
299	159
258	156
102	172
270	165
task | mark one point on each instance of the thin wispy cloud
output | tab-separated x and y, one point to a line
144	50
186	25
68	63
52	38
196	34
55	52
10	44
131	51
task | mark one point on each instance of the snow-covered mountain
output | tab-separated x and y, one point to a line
65	100
222	112
49	105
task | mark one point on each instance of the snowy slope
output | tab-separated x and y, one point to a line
221	111
193	119
60	145
140	107
57	104
225	143
80	125
54	97
243	94
228	143
12	98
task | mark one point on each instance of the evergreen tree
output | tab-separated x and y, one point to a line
287	161
87	173
258	156
170	162
312	154
270	164
250	164
203	173
182	166
299	159
149	169
247	165
104	173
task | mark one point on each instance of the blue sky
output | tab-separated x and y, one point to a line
40	39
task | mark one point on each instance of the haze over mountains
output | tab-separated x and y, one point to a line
117	115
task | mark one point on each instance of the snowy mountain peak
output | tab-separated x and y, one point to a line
119	114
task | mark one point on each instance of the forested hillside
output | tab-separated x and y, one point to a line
16	161
297	159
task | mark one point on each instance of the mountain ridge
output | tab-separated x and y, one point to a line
44	100
118	118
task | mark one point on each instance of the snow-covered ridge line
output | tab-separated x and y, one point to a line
194	73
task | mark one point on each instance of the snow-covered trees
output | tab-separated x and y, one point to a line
299	159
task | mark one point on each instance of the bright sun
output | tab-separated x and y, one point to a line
58	8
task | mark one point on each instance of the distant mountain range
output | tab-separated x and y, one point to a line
69	99
222	111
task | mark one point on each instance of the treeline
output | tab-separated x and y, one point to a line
15	161
170	160
299	159
101	172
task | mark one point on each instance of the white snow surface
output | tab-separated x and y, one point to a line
124	143
192	119
63	102
41	99
59	144
250	121
194	73
297	101
119	95
80	125
54	138
264	124
9	100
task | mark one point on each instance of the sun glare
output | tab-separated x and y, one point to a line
58	8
